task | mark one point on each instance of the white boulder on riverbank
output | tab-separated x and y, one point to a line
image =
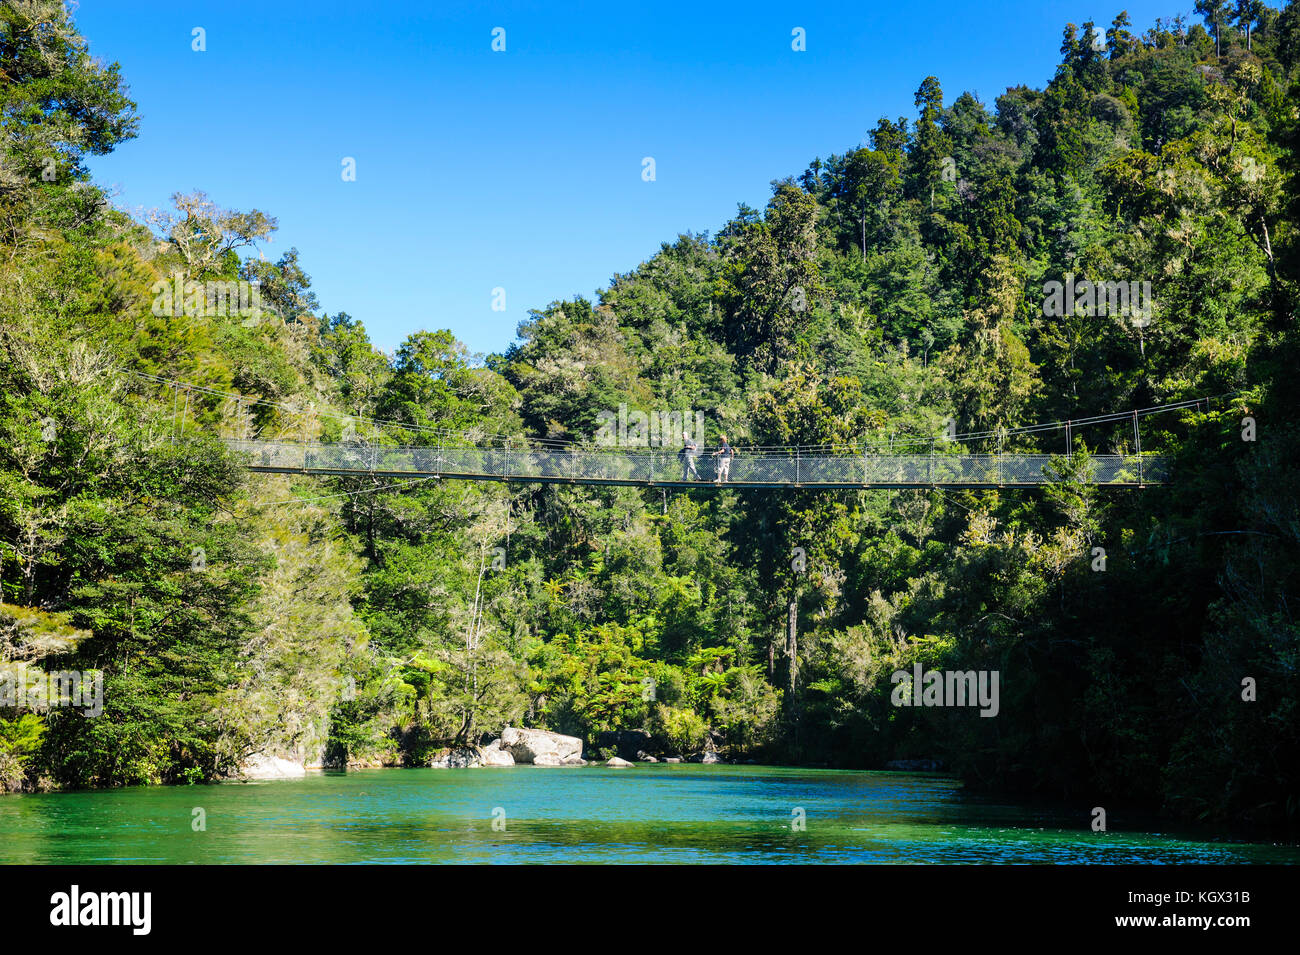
493	755
261	766
541	747
616	763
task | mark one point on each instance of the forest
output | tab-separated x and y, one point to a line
894	293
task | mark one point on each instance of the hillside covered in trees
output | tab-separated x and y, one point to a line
889	293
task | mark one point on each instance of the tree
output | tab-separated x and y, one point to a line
56	100
1248	13
869	187
1119	40
992	373
1213	12
930	145
284	287
203	235
773	278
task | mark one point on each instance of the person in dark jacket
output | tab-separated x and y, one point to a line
689	452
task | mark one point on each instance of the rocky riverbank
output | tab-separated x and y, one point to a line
532	747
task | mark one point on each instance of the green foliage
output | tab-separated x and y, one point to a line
682	729
887	291
594	681
19	739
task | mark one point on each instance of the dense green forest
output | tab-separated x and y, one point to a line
886	293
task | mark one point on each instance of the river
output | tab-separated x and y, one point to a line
651	813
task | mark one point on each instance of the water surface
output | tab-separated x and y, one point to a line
651	813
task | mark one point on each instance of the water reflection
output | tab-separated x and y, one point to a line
654	813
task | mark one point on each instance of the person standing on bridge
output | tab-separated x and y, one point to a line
724	454
689	452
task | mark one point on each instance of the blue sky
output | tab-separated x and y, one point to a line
522	170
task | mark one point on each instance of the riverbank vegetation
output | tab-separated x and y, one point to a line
883	292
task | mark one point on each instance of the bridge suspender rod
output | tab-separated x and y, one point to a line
1069	446
1137	444
176	394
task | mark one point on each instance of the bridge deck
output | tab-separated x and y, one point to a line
662	467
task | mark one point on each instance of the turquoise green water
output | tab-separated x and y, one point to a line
653	813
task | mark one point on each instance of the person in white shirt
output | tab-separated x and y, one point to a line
724	454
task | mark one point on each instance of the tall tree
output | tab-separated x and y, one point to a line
1213	11
930	144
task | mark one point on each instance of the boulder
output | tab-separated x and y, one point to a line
465	758
646	757
618	763
493	755
261	766
711	757
672	759
527	745
546	759
574	761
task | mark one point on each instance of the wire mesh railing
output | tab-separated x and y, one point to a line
655	466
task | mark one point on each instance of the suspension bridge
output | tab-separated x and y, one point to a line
921	462
663	467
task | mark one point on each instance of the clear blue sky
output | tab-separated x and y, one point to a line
522	170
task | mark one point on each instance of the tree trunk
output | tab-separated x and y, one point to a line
792	644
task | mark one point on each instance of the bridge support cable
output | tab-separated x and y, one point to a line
554	444
652	469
